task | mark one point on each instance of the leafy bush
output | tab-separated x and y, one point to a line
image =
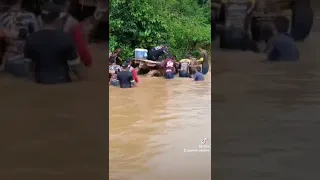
183	24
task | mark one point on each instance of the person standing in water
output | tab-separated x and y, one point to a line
169	67
204	59
113	70
184	67
71	26
133	69
125	77
196	74
16	25
52	52
282	47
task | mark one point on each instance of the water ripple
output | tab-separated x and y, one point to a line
158	120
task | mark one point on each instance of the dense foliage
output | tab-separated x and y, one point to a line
183	24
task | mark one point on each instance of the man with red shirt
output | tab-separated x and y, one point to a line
132	69
169	67
71	25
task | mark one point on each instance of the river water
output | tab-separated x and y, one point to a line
152	125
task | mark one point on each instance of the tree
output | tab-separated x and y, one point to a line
183	24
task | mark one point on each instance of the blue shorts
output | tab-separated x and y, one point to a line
183	74
169	75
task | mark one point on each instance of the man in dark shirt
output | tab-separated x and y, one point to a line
282	47
205	60
156	52
51	52
196	74
125	77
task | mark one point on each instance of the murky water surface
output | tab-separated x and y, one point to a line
152	125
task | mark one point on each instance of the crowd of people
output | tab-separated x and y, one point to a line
280	47
124	73
46	48
50	46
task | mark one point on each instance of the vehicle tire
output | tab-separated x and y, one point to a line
154	73
302	20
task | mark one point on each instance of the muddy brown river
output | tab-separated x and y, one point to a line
156	129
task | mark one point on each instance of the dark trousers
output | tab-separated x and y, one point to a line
18	69
169	75
183	74
205	69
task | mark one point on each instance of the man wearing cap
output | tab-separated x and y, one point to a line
125	77
52	52
156	52
71	26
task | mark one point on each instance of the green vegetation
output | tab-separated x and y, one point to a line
183	24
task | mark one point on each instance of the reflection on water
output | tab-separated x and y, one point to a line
151	125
